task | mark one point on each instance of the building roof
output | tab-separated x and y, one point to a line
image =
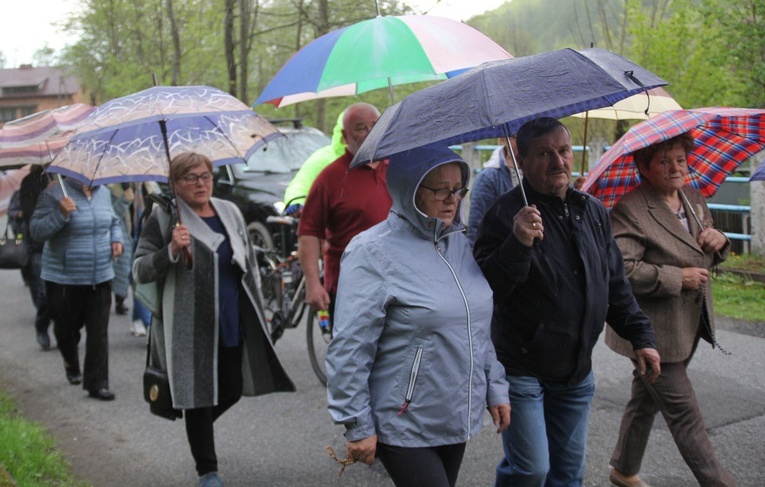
48	81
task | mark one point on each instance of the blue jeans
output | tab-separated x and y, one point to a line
547	438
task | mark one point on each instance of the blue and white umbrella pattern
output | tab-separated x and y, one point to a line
134	137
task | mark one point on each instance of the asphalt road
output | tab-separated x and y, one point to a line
279	440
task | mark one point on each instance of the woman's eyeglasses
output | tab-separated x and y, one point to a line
444	193
191	179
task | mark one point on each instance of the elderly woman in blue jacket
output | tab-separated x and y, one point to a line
411	366
82	237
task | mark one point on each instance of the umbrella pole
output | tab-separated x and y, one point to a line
61	183
185	251
390	90
584	146
515	164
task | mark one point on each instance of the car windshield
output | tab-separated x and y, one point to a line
284	154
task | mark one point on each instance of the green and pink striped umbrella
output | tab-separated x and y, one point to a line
380	53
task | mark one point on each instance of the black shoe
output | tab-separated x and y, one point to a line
74	378
102	394
44	341
120	308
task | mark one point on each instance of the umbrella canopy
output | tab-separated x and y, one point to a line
496	98
723	139
134	137
379	53
635	106
10	181
759	173
39	153
43	125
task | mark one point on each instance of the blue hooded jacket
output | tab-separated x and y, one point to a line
411	359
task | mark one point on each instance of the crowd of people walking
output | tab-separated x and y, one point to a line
433	321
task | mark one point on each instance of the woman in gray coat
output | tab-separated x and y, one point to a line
411	367
211	337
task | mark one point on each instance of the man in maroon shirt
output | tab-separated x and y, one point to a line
340	204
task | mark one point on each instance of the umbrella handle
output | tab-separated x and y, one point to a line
63	187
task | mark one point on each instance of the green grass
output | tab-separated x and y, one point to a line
28	453
747	262
738	297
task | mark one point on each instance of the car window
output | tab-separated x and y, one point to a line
284	154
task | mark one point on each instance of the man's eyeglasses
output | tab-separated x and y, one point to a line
191	179
444	193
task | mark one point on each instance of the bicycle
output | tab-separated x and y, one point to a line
283	286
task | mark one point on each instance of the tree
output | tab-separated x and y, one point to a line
744	25
45	56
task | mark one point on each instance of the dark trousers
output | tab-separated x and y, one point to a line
436	466
672	394
37	289
199	421
71	308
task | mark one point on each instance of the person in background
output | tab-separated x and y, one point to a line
32	186
665	232
497	177
82	237
340	204
141	316
297	190
122	201
557	276
212	339
411	367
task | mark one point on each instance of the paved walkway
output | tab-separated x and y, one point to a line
279	440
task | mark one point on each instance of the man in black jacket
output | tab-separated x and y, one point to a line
557	277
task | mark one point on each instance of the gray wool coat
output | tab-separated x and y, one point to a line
656	247
186	335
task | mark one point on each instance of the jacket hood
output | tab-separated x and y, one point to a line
338	144
405	173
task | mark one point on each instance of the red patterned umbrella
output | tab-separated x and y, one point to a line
723	139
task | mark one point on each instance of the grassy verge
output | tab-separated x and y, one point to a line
738	296
745	262
28	454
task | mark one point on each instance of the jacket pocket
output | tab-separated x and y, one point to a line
413	372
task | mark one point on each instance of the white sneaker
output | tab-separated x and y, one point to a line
138	329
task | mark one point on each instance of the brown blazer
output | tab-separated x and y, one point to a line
656	246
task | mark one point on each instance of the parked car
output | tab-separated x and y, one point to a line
257	187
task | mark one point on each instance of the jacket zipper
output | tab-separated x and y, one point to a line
470	337
412	379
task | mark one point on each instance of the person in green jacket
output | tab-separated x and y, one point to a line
297	190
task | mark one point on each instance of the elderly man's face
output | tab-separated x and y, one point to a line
547	165
359	123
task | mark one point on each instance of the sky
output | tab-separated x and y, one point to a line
28	25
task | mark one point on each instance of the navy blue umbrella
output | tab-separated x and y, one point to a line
495	98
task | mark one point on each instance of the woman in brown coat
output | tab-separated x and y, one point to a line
665	233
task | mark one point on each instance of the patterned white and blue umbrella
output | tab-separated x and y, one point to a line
134	137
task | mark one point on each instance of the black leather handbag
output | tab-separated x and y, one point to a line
14	253
156	388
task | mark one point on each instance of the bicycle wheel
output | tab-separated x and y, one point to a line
317	346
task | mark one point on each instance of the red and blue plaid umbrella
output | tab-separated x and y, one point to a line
723	139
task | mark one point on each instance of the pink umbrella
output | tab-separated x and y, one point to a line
43	125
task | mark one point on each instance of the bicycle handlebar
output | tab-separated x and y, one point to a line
284	220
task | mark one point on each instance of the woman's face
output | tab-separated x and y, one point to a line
195	187
445	177
667	170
